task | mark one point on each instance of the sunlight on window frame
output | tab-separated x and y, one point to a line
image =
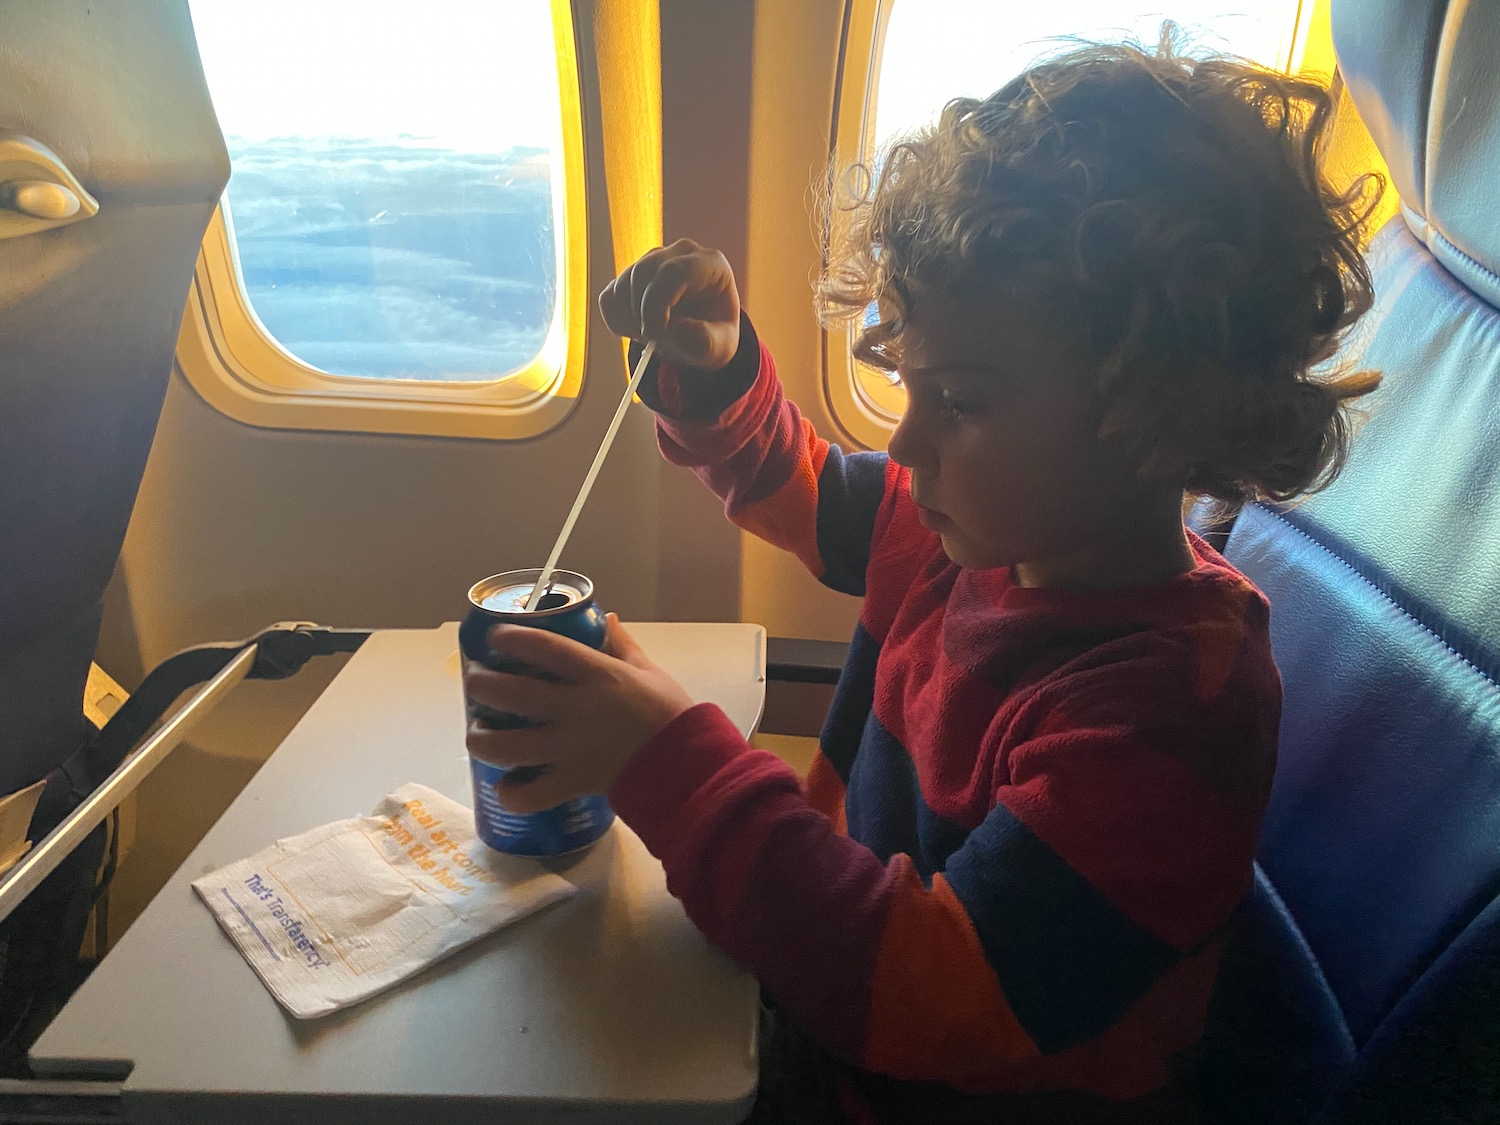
866	402
238	367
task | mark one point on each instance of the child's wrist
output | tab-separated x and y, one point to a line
694	394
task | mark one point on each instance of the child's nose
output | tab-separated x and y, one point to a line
908	446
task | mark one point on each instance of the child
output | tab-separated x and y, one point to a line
1003	892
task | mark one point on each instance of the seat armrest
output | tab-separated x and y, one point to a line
798	661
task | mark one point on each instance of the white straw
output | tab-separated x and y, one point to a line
588	482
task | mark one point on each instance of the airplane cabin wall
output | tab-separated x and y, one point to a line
795	76
705	125
237	527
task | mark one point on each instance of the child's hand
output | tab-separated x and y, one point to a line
683	297
600	710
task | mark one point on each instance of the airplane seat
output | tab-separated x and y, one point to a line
1366	984
110	106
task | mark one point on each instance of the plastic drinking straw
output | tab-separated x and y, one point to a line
543	583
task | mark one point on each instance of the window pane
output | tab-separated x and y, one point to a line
391	199
937	50
927	62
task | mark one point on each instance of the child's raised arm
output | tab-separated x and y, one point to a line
721	412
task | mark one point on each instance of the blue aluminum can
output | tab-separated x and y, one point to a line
568	608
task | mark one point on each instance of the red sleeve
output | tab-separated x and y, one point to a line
1073	930
779	480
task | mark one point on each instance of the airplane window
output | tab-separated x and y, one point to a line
936	50
395	200
924	64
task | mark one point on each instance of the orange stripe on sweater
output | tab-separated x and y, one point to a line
788	518
825	792
937	1011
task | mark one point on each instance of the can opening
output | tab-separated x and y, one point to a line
507	594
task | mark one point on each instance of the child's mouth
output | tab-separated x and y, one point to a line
932	521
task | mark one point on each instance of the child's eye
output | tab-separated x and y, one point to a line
956	407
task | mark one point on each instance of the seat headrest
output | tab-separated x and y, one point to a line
1424	77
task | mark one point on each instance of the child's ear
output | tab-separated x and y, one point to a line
1163	466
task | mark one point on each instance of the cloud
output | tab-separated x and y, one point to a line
396	260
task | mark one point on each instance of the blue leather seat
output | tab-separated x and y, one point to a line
1366	986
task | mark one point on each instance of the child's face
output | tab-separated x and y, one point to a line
999	435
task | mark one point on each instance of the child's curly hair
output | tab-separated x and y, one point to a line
1171	212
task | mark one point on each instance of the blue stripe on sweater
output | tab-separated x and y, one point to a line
850	489
1070	963
885	810
852	700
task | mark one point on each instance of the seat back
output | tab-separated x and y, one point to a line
1367	983
89	314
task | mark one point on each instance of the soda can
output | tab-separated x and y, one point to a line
567	608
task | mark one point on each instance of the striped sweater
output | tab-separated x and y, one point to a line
1034	811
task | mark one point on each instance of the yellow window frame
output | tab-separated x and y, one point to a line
238	367
865	403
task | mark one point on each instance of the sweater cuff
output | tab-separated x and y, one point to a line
694	395
671	767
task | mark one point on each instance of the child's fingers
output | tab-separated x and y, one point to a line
622	646
614	306
563	657
509	749
705	338
642	273
537	795
519	695
619	301
674	278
